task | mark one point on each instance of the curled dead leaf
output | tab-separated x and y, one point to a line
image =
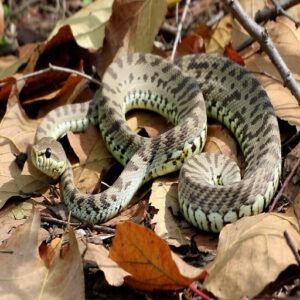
251	253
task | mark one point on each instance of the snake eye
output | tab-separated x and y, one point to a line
48	152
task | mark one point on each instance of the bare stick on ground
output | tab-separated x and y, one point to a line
51	68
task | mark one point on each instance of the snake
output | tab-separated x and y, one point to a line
211	191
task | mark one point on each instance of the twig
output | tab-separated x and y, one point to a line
281	11
168	28
51	68
199	293
261	35
216	18
99	228
293	206
71	71
178	34
292	246
265	15
272	13
267	75
287	180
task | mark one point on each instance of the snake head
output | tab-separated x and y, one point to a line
49	157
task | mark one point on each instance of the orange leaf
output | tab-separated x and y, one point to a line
191	44
149	260
233	55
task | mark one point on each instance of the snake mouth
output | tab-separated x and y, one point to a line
47	165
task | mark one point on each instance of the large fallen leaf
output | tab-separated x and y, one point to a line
251	253
140	252
16	133
114	275
88	24
24	275
131	28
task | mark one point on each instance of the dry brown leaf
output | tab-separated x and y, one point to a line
286	39
252	252
239	34
153	123
114	275
148	259
9	65
221	36
93	156
231	53
204	31
16	134
135	213
206	242
220	141
24	275
164	197
133	31
191	44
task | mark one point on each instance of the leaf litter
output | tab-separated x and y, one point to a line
251	248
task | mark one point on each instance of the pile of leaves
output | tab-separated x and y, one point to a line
149	247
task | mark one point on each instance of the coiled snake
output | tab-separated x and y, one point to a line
211	192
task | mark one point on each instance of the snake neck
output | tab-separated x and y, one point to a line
103	206
72	117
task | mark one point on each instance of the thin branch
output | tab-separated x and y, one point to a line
292	246
292	202
99	228
179	29
284	185
271	13
71	71
267	75
265	15
281	11
216	18
261	35
51	68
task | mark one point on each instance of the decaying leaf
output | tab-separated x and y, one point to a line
114	275
221	36
192	44
93	155
88	24
131	28
16	133
148	259
164	197
251	253
24	275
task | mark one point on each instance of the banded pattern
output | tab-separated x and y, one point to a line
232	95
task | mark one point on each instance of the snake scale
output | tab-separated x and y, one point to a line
211	191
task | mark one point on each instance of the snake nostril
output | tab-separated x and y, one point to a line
48	152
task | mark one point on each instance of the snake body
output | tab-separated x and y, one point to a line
211	192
